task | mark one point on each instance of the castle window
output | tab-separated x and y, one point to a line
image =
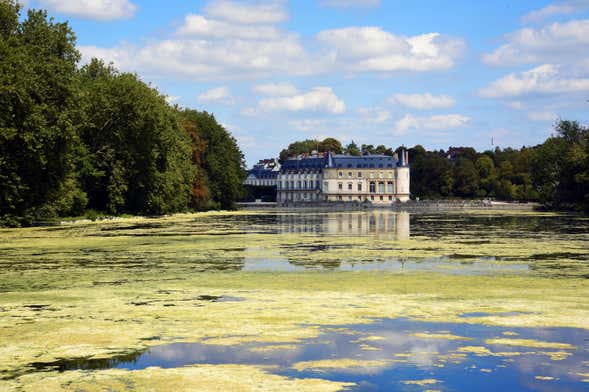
349	174
359	174
340	174
372	187
340	186
350	186
381	187
359	187
390	187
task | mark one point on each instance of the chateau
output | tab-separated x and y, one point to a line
378	179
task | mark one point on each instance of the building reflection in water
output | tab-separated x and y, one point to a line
382	224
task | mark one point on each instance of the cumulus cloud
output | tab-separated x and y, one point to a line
275	89
241	40
219	46
200	26
319	99
542	80
217	95
557	42
423	101
205	60
359	49
559	8
102	10
247	13
432	123
349	3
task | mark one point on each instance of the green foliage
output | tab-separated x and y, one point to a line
310	145
222	160
137	155
72	139
560	167
38	116
352	149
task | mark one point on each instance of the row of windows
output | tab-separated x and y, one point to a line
300	196
359	175
298	175
351	198
261	182
299	184
372	187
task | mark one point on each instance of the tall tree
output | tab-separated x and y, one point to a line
138	155
352	149
222	160
38	115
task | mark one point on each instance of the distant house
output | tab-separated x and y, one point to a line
263	174
378	179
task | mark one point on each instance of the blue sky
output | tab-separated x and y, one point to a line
435	73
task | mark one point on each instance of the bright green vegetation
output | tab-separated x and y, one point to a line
90	139
101	289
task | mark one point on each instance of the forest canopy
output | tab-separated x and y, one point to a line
85	138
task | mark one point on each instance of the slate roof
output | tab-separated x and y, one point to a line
342	161
364	162
260	172
313	163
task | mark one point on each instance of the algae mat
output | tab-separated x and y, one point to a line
112	289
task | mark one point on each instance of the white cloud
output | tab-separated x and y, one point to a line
349	3
205	60
559	8
376	115
198	25
103	10
359	49
232	41
248	13
217	95
423	101
545	79
308	125
433	123
319	99
542	116
557	42
275	89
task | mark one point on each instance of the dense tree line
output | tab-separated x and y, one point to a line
74	139
556	173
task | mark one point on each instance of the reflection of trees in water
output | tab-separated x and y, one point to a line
63	365
395	225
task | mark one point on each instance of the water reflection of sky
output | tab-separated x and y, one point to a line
395	355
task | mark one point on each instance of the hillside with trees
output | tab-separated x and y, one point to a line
78	139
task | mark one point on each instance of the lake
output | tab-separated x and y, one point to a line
288	300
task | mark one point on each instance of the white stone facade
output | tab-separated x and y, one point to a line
374	179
